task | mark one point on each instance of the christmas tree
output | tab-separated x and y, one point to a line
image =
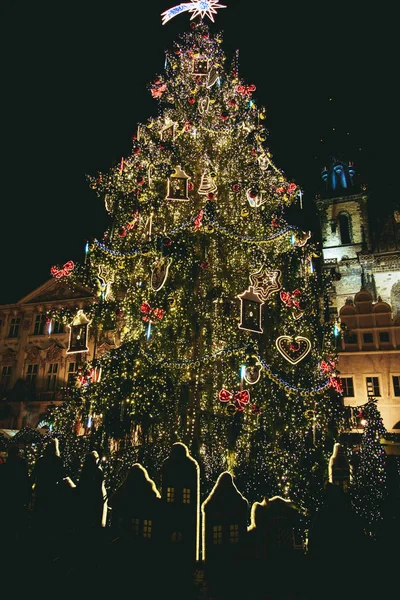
213	297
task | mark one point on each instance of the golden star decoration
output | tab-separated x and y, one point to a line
266	281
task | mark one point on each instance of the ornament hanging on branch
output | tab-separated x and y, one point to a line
159	273
293	349
178	185
236	401
151	315
266	281
167	133
207	185
293	300
255	199
200	66
203	105
106	279
78	334
198	220
301	238
212	77
250	311
252	373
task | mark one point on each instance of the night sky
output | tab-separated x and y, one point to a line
74	87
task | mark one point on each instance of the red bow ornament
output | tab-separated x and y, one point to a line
291	298
64	271
158	90
336	384
238	399
246	90
151	313
327	366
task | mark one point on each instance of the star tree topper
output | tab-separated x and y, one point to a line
197	7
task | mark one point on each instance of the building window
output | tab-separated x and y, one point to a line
234	534
344	227
384	336
14	327
170	494
368	339
373	386
147	525
58	327
348	387
176	536
31	376
217	534
396	384
350	338
72	373
52	377
5	380
186	496
40	322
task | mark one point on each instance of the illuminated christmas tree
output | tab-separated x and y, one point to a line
369	488
213	296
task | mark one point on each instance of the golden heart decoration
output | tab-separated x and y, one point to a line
293	349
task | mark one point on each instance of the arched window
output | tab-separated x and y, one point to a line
344	227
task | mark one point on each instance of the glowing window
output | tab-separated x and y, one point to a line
217	534
373	386
186	496
170	494
348	387
147	526
396	384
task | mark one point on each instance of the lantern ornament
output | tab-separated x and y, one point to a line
168	132
178	185
78	334
250	311
200	65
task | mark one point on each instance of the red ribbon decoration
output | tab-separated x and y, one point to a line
327	366
151	313
158	90
291	298
336	383
246	90
198	220
64	271
239	399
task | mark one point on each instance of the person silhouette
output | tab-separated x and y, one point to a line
92	494
15	495
46	479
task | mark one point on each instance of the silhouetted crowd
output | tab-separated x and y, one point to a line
54	528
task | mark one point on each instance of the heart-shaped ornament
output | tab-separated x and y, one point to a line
293	349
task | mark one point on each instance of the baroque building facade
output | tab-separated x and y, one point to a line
363	255
37	363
